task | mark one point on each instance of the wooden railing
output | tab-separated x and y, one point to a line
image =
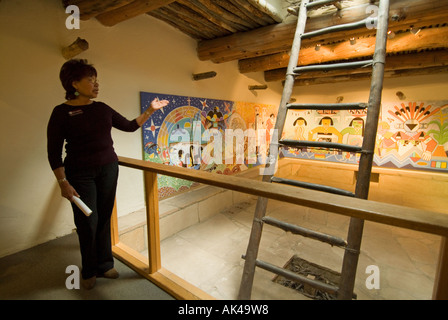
151	268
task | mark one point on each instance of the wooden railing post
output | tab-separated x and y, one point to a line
441	279
152	220
114	225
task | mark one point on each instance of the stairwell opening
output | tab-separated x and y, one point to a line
312	271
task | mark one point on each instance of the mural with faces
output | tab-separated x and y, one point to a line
411	135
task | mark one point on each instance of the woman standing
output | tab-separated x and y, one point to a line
90	167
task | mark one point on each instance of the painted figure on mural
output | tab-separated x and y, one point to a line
411	138
270	123
300	127
385	142
354	133
216	119
326	132
439	130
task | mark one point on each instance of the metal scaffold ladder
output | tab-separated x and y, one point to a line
351	246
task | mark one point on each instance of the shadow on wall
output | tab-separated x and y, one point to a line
49	218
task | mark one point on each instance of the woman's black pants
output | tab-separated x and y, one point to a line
97	187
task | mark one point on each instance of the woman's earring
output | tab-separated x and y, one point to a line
76	93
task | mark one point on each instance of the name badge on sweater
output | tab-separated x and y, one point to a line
75	113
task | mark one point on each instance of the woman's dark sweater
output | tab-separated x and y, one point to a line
87	131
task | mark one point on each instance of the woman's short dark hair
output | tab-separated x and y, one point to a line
75	70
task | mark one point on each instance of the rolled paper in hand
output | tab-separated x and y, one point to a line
82	206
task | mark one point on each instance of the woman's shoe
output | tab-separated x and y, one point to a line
111	274
88	283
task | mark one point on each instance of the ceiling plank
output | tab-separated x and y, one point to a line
183	25
245	4
130	10
196	19
198	26
229	6
224	14
267	8
277	38
198	7
433	38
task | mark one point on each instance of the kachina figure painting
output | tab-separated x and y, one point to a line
192	132
411	135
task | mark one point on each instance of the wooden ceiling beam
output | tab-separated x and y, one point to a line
277	38
432	38
428	59
367	76
130	10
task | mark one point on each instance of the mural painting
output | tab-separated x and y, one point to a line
190	132
411	135
183	134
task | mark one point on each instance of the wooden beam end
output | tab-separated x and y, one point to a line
75	48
